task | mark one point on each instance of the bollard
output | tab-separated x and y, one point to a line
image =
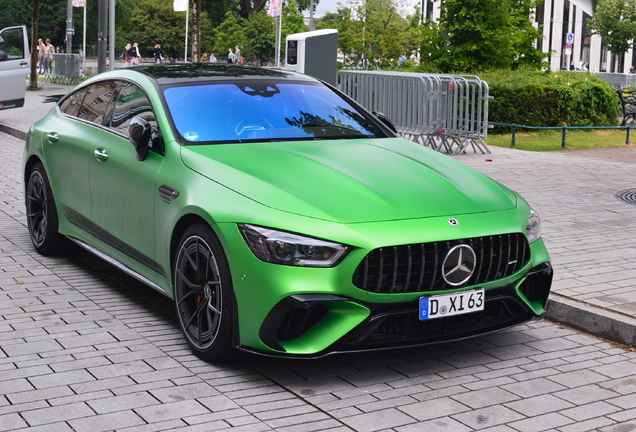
563	132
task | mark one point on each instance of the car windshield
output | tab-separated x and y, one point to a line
264	111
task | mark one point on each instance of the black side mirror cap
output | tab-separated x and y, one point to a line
139	131
384	119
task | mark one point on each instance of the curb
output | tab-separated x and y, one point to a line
13	131
594	320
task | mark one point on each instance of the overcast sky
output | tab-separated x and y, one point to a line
332	6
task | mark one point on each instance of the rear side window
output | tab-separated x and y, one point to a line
96	101
72	104
130	102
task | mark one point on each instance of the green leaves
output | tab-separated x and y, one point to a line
476	35
615	22
535	98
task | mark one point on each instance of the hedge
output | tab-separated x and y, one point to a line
547	99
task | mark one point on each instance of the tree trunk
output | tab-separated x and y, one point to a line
33	81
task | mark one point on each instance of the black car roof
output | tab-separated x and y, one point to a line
171	74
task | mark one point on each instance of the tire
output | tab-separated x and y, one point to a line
41	212
203	294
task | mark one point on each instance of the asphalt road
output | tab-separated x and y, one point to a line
85	348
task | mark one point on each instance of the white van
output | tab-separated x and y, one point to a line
15	64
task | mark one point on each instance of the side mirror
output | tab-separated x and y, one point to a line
3	55
139	131
384	119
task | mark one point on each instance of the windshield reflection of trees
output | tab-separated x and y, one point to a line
318	126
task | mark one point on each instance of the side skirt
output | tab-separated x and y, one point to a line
110	260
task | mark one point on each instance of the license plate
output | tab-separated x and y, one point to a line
451	304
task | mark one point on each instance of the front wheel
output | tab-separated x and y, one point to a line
42	213
203	294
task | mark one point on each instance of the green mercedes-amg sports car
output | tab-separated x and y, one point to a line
280	216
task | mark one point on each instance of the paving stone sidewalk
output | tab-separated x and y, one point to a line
85	348
589	233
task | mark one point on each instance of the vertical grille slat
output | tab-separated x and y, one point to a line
409	266
417	267
395	269
422	268
380	271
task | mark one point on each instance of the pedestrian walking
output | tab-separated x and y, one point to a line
41	56
230	56
135	53
128	55
158	54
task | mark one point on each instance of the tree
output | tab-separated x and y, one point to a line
375	30
217	9
615	22
260	34
304	5
227	35
33	75
248	7
474	35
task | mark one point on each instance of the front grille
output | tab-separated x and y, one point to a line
417	267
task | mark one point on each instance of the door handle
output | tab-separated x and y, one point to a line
101	154
23	63
53	137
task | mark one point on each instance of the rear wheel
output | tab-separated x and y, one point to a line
203	294
42	214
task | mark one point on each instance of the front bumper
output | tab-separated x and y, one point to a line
294	325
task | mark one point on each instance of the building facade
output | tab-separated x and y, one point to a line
566	36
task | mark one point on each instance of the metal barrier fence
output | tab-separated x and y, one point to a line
62	68
621	80
444	112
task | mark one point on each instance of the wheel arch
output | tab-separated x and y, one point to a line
28	167
180	227
186	221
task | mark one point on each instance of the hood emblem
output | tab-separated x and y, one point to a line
459	265
453	221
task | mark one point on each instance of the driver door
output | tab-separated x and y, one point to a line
14	66
123	189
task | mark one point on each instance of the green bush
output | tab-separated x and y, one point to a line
547	99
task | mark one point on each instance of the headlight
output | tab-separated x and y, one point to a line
280	247
533	230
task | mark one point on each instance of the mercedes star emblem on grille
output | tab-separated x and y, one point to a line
453	221
459	265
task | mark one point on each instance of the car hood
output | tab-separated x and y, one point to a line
357	180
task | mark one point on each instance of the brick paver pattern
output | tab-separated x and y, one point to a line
86	348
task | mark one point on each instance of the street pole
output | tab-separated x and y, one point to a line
185	58
102	15
69	26
84	41
196	28
111	35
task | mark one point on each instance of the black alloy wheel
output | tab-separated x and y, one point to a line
203	294
41	212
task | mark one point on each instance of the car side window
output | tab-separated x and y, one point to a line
130	102
12	44
72	104
96	101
